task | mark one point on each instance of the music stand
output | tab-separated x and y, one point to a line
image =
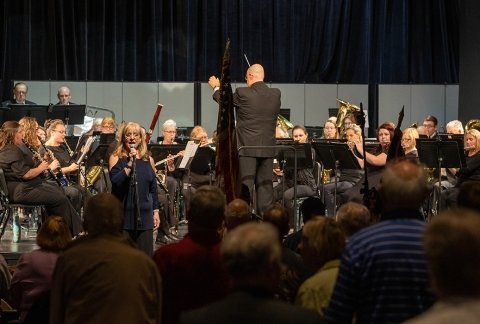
70	114
107	138
303	154
435	153
204	162
335	155
17	112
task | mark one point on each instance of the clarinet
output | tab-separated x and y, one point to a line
37	156
58	174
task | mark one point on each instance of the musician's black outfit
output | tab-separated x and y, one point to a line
16	161
73	191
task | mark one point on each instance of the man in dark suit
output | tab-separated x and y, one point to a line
252	256
20	91
257	108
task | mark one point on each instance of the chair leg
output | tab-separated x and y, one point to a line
5	219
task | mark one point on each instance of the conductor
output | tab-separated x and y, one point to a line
257	108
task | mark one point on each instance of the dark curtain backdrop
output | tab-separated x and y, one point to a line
314	41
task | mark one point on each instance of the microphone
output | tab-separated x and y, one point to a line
132	146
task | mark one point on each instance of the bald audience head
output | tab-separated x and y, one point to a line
452	249
103	214
403	185
237	212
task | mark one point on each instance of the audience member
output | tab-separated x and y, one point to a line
323	242
294	272
34	270
102	277
312	206
352	217
383	276
237	212
5	278
468	195
252	256
452	248
191	268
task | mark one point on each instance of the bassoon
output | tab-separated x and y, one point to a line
153	123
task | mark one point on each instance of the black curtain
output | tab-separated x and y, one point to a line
314	41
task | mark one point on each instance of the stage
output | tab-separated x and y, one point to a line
12	251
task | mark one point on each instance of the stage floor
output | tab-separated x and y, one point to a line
12	251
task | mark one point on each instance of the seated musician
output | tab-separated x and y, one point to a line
24	168
330	130
166	197
409	144
56	145
200	171
469	173
348	177
306	185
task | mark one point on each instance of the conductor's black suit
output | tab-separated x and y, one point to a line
257	108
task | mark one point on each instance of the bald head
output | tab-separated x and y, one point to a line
255	73
63	95
403	185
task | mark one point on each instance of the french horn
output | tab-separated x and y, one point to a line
473	124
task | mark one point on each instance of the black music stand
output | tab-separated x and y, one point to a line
204	162
335	155
17	112
70	114
303	154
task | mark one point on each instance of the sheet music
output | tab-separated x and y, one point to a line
190	151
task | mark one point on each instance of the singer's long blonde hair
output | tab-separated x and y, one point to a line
123	148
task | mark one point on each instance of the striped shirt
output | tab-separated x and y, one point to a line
383	276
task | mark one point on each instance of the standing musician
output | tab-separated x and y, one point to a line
24	169
134	184
57	146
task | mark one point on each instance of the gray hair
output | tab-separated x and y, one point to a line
250	248
169	123
455	125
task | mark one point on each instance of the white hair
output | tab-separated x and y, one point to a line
169	123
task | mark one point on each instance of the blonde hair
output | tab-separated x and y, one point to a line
52	124
122	147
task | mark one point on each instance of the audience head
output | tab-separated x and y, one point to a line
312	206
252	255
468	196
277	215
103	215
352	217
452	249
20	91
322	240
403	185
237	212
206	209
54	234
63	95
454	127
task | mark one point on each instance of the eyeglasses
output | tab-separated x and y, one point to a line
428	126
129	135
58	131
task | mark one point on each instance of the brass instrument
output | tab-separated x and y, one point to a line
93	174
473	124
284	123
344	108
431	174
326	175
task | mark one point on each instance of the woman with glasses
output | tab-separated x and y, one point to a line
409	144
24	170
69	170
134	184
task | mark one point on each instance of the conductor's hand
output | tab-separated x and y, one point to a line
214	82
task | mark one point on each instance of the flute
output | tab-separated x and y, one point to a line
168	159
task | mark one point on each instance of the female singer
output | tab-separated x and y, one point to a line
24	174
469	173
134	183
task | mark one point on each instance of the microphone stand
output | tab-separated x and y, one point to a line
134	188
